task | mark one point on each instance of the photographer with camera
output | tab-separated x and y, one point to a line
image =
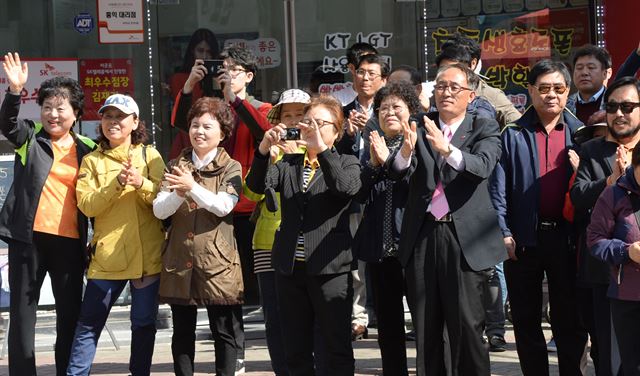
312	254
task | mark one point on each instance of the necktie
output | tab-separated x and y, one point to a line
439	204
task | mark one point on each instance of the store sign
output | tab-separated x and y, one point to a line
39	71
102	77
512	43
340	41
266	50
120	21
83	23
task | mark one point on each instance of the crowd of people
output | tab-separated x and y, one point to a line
455	201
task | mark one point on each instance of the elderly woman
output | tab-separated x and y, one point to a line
40	221
312	247
201	264
116	186
379	232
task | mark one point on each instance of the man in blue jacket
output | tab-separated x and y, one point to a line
528	190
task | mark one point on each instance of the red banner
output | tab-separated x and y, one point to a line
102	77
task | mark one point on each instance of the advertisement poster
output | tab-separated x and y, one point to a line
513	42
266	50
120	21
39	70
102	77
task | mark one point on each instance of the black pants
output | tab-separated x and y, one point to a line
63	259
388	287
183	342
243	232
309	299
446	293
524	282
626	322
595	317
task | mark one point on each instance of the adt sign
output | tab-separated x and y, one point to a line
83	23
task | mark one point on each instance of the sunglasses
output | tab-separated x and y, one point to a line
557	88
625	107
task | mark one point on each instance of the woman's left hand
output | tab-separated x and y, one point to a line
312	137
133	176
180	180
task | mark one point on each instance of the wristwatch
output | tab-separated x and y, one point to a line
449	151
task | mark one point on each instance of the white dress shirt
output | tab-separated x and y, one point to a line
220	204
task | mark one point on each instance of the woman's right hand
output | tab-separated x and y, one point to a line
197	74
410	138
17	73
271	137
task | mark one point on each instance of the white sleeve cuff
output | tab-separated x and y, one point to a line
456	159
166	203
401	163
220	204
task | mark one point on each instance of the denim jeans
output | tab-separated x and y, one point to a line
99	297
495	299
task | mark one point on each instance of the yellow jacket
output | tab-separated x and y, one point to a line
127	236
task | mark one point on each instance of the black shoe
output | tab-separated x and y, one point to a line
497	344
359	332
411	336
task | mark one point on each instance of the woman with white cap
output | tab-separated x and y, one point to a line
116	186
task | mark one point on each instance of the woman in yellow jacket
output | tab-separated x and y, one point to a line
117	184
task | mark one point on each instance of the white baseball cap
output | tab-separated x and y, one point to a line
123	103
288	96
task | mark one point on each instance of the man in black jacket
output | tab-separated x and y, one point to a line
450	232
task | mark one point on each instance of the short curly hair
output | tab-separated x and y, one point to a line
403	90
63	87
241	56
218	109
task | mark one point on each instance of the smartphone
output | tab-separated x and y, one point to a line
214	66
290	134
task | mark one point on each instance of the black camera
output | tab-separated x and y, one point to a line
290	134
214	67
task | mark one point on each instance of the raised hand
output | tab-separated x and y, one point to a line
311	135
410	136
16	72
271	138
198	71
574	159
129	175
435	137
181	180
378	149
619	166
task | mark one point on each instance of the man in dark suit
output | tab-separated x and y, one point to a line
528	188
602	161
450	230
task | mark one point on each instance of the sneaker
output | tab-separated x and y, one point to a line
551	345
239	367
359	332
497	344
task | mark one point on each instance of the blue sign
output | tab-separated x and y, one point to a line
83	23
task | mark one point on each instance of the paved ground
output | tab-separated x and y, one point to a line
110	361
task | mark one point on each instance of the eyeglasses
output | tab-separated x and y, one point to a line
625	107
454	89
362	73
235	71
321	123
545	88
397	109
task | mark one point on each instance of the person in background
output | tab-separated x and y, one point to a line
312	254
354	53
614	231
40	220
201	265
117	184
602	162
377	238
591	72
203	45
240	68
288	112
528	190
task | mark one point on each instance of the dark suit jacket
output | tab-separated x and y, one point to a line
597	158
320	212
474	217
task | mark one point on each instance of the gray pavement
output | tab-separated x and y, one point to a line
110	361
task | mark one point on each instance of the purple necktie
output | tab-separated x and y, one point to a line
439	204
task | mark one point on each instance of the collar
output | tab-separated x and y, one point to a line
453	127
360	108
307	162
199	164
594	98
